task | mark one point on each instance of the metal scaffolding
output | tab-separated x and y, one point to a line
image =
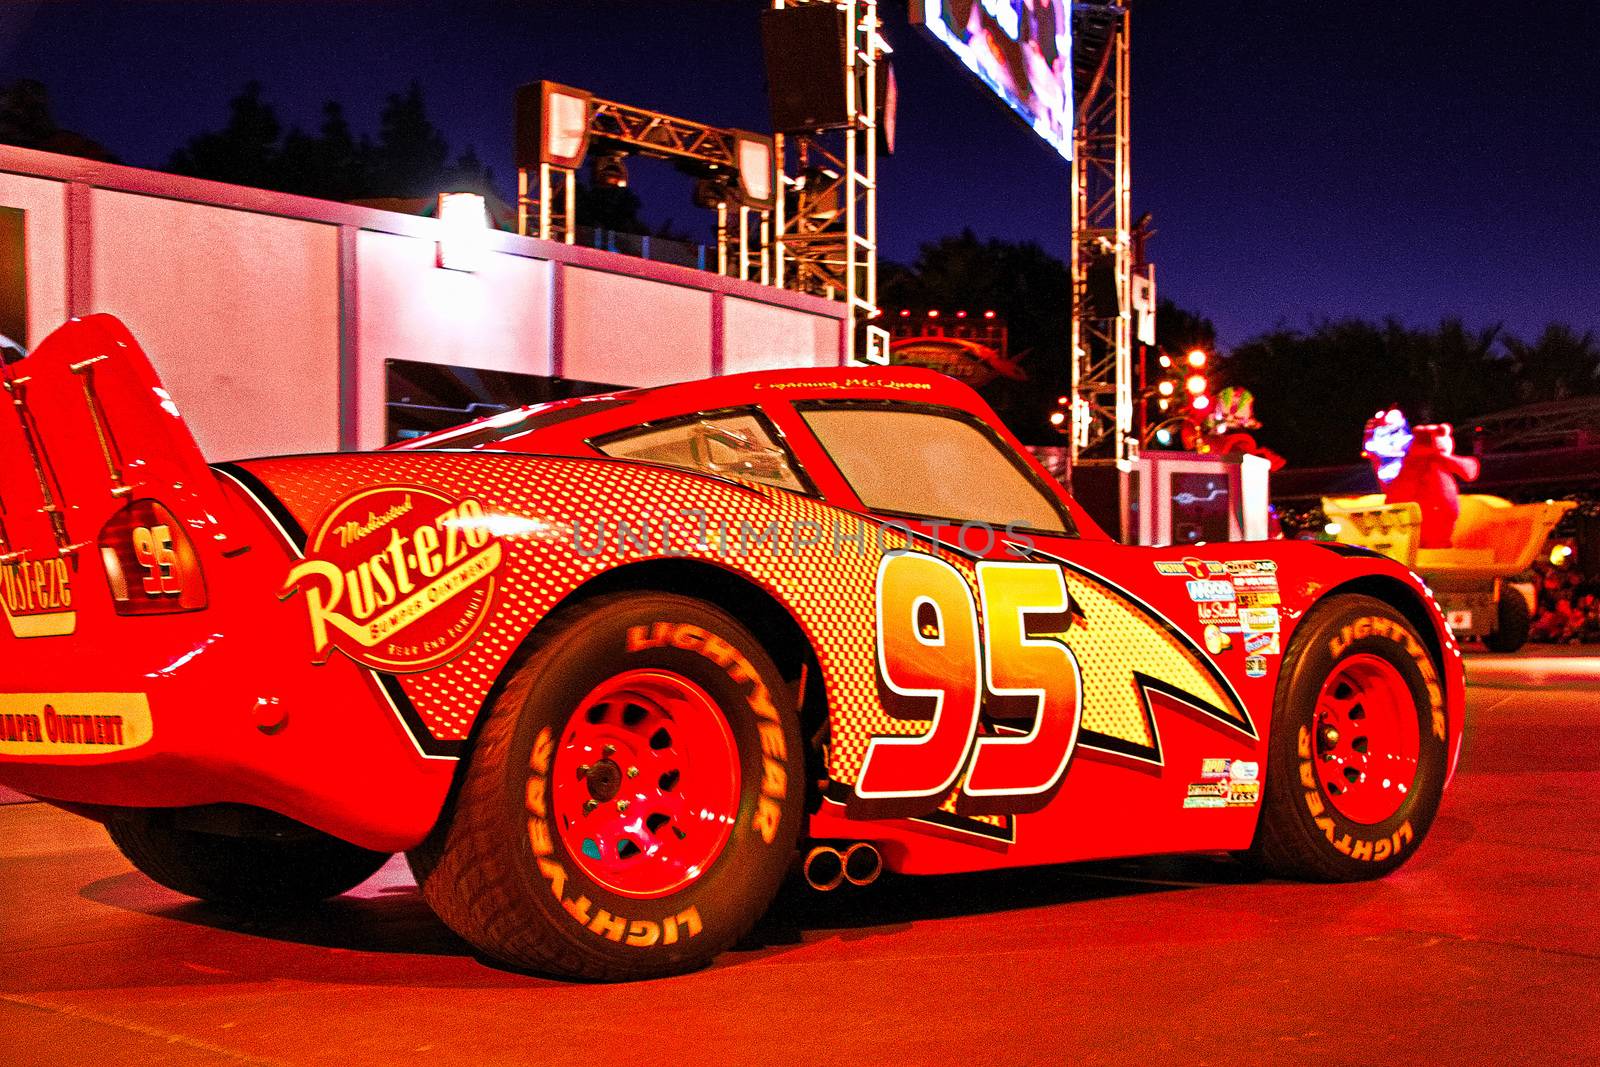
1102	245
827	216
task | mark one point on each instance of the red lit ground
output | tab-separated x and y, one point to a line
1484	949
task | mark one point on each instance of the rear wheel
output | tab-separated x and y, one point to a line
1357	758
1513	622
245	871
632	801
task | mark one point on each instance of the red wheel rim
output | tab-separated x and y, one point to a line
645	783
1366	738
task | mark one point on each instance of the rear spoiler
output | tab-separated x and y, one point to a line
99	472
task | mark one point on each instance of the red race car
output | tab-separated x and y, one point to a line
605	669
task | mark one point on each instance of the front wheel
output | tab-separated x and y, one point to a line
1357	758
633	800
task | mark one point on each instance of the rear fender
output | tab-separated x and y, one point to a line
145	659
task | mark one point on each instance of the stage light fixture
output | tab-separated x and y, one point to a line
1201	402
709	192
464	220
1166	388
552	125
609	169
1196	384
1057	418
757	170
1164	437
1197	358
1166	361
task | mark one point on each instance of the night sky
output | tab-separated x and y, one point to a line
1301	159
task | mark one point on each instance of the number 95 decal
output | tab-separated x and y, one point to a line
932	665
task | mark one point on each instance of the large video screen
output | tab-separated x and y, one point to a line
1021	49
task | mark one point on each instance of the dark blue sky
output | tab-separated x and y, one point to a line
1302	159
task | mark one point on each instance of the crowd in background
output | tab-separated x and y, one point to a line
1568	608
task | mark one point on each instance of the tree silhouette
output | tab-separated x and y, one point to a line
1027	287
246	151
407	161
26	121
1561	363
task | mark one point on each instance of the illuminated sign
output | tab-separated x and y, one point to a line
1020	49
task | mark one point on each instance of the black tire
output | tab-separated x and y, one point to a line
497	870
241	871
1302	834
1513	622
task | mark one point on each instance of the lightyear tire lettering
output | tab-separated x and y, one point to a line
1303	833
501	872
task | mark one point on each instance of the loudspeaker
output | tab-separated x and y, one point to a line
1100	287
805	53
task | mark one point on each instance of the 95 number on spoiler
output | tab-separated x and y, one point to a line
933	665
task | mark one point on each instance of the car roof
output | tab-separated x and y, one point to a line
631	407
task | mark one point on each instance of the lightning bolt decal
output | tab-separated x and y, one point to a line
1136	661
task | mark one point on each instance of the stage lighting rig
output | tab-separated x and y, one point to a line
558	127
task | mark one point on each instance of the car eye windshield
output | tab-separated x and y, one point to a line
936	463
730	445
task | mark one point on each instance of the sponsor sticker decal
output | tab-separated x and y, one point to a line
1255	666
1244	770
1246	567
1217	642
1246	583
1190	566
1248	599
1258	620
1261	644
1214	768
1210	591
1225	612
72	724
397	578
36	595
1205	802
1243	794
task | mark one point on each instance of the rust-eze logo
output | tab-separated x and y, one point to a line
398	578
37	597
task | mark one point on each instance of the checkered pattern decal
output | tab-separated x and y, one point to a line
563	521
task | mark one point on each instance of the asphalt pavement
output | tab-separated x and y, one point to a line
1485	948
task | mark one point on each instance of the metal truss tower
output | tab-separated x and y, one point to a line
827	223
1102	241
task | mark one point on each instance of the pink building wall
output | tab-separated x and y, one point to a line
270	316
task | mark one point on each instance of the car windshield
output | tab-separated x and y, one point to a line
935	462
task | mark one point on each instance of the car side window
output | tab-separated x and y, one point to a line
940	463
737	444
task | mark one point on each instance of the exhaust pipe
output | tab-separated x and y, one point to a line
862	864
823	868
